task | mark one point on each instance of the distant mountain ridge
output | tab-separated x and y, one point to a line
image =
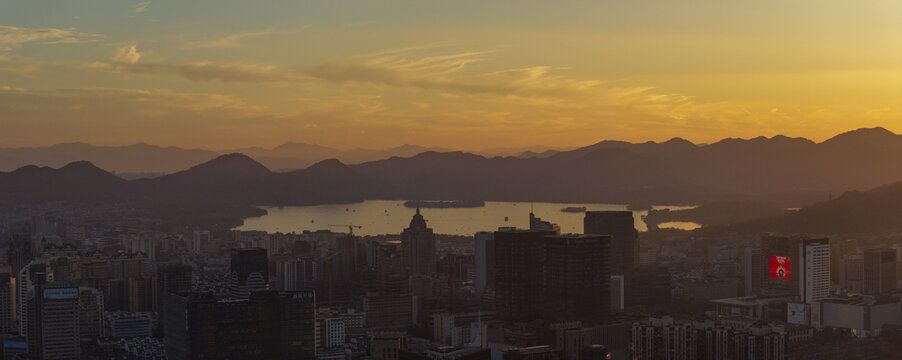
788	171
142	158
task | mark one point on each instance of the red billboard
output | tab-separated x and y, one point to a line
780	267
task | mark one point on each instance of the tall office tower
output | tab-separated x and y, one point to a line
577	278
796	267
617	293
752	268
418	247
879	270
839	249
624	237
249	272
268	325
816	270
142	293
35	273
7	294
53	322
346	247
200	240
485	260
172	279
90	313
20	252
519	261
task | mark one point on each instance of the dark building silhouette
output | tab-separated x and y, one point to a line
879	270
249	272
519	260
173	279
484	260
7	293
577	278
20	252
267	325
142	293
347	258
418	247
624	237
647	286
90	314
52	313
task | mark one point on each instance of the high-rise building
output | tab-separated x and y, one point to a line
90	313
249	272
172	279
35	273
660	337
330	332
816	270
839	250
752	269
879	270
577	278
418	247
485	260
624	237
519	261
200	240
7	296
142	293
346	247
267	325
20	252
796	267
617	293
53	322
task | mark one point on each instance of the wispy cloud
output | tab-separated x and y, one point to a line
231	41
142	6
126	60
12	37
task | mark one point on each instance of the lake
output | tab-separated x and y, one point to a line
379	217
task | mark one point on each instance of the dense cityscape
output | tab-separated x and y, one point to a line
450	180
108	283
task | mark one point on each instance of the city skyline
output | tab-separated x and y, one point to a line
461	75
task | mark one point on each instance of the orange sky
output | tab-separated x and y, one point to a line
464	74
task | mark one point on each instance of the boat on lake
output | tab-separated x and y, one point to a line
574	209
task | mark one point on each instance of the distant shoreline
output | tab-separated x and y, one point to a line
444	204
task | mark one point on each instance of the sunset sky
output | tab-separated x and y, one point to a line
458	74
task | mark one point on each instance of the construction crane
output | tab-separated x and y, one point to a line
329	258
350	227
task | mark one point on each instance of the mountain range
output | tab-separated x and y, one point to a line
788	171
146	161
143	160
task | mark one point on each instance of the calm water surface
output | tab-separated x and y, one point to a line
390	217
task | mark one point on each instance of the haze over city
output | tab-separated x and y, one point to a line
450	180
